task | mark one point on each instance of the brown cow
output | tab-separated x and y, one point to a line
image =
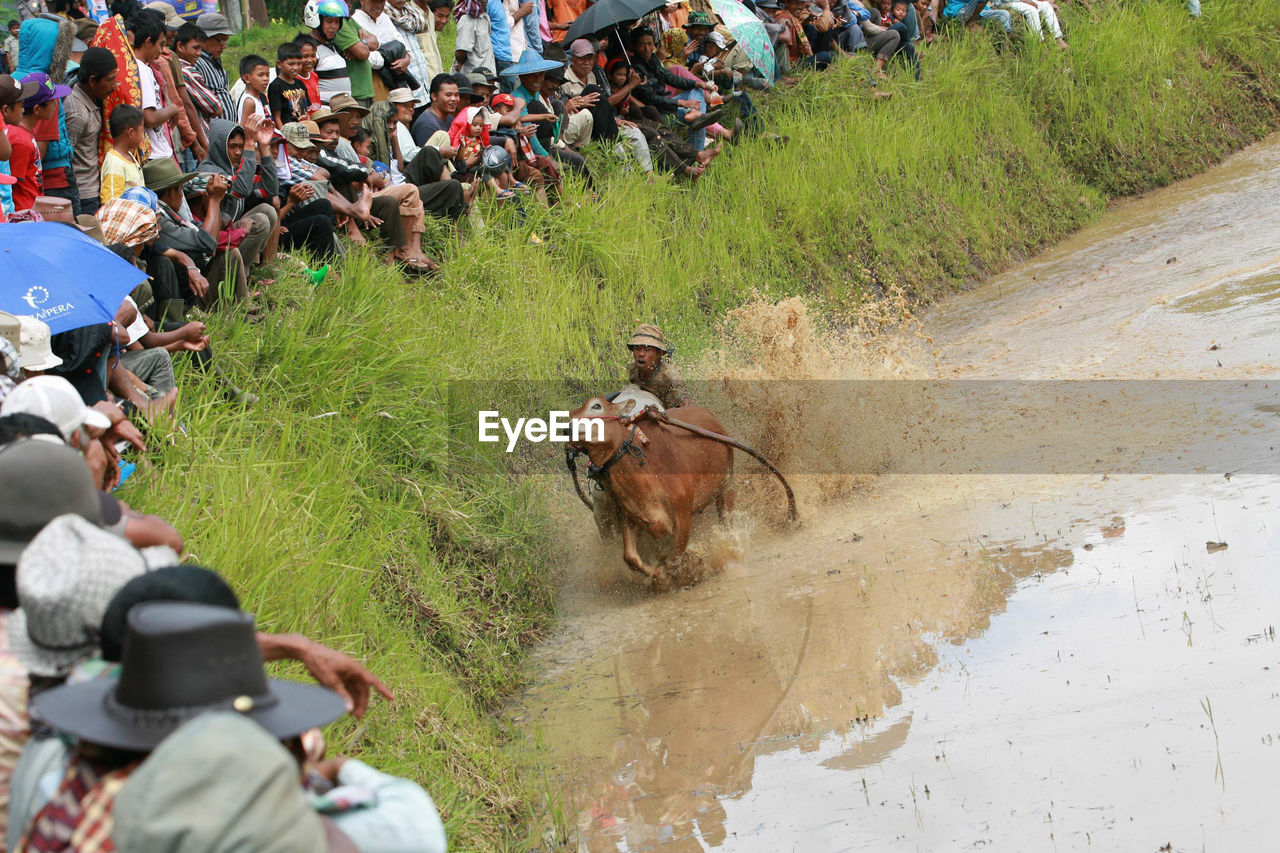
658	485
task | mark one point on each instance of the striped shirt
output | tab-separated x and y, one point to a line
215	79
297	171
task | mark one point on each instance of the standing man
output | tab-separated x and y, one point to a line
216	33
96	80
473	45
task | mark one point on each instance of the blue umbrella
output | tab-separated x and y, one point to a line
62	276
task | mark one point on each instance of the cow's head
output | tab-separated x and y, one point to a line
594	422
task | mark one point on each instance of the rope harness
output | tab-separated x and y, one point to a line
599	472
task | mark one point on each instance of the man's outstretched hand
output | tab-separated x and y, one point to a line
341	673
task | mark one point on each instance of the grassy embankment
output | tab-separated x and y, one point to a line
338	506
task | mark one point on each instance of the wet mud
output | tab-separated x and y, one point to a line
952	662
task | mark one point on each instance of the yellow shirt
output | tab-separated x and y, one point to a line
118	174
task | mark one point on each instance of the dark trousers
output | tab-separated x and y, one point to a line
89	206
906	49
440	197
70	192
574	162
310	227
604	117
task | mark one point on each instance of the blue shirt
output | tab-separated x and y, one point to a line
499	31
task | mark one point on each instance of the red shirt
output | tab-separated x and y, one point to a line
47	131
312	84
24	164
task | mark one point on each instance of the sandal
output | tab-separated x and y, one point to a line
520	187
505	194
416	266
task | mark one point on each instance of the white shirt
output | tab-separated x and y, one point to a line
160	146
408	148
383	29
516	37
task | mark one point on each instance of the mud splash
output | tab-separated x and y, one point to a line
947	662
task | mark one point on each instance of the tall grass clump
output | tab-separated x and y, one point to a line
351	502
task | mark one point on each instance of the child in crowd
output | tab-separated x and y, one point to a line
532	169
188	45
307	69
287	95
255	73
469	133
120	169
20	120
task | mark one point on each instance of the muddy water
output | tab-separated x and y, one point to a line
954	662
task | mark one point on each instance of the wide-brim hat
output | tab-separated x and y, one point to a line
648	335
322	114
530	63
345	103
53	480
88	223
165	679
163	173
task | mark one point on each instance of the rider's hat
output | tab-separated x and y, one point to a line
647	335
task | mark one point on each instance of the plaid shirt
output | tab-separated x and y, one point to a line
80	816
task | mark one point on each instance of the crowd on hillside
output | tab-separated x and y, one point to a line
116	730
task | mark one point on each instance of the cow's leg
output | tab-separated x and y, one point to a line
724	503
631	553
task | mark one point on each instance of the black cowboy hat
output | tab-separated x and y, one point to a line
180	660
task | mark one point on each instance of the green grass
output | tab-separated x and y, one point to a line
346	504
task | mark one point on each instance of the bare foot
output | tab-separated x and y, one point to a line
1062	44
706	155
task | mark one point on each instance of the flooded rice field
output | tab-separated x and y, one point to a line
1008	660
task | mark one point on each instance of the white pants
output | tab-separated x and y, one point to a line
576	131
631	141
1033	11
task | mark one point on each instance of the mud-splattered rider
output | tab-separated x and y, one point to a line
653	373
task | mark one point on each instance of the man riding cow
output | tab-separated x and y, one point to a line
650	371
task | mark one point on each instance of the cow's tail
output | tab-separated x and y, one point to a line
792	514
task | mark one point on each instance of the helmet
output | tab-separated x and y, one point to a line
142	196
495	160
317	9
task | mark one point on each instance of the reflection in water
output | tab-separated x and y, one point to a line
687	713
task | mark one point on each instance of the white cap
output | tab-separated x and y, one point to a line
35	351
56	400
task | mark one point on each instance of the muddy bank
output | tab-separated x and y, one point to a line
941	662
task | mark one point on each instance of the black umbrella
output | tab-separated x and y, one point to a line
608	14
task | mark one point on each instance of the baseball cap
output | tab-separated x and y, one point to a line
53	480
582	47
46	90
214	24
11	90
400	96
503	99
298	135
35	348
57	401
172	21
